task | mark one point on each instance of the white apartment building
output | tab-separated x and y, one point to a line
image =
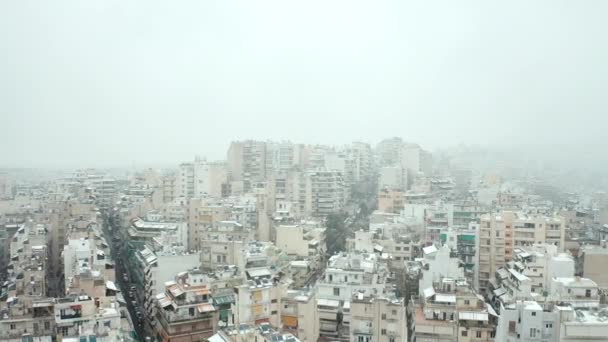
201	179
347	274
529	321
438	264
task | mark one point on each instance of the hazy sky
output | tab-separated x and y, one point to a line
119	82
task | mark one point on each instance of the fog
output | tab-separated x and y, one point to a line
106	83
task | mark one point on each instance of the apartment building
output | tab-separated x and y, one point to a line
501	233
246	162
391	200
24	305
345	275
465	245
388	151
378	318
437	264
81	315
258	299
185	311
201	179
325	192
299	315
362	160
594	260
451	311
527	321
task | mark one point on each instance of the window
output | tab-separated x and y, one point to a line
383	331
549	325
588	293
532	332
478	333
273	300
191	310
394	312
467	302
464	333
47	325
533	313
383	316
273	312
397	248
336	291
13	326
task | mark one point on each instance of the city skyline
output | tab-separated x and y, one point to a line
83	84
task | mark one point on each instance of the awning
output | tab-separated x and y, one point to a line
328	302
220	300
502	273
205	307
176	291
111	286
202	292
500	291
42	304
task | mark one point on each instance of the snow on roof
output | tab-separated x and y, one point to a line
111	286
429	249
500	291
445	298
534	306
216	338
491	310
328	302
262	272
518	275
473	316
430	292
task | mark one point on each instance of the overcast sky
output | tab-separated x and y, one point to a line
94	83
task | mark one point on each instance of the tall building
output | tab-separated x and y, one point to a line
388	151
362	163
500	233
247	162
201	179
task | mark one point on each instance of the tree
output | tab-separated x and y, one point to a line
336	233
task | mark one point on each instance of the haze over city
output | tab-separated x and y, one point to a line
312	171
113	83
